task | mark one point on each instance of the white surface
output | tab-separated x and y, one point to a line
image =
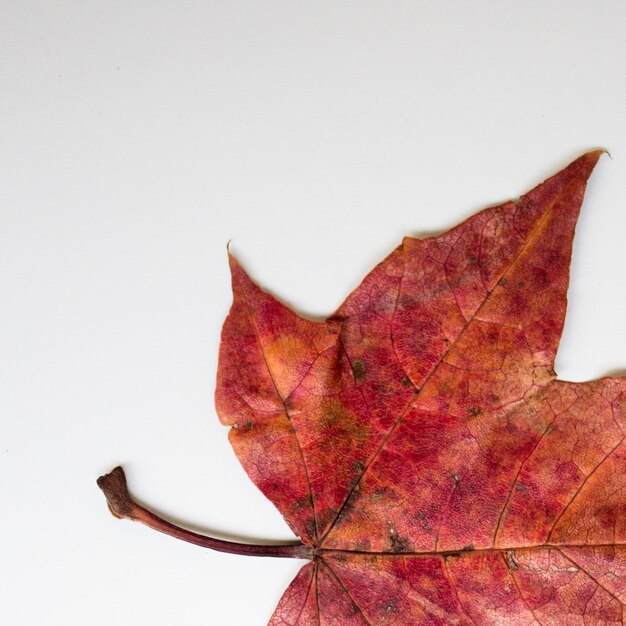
137	138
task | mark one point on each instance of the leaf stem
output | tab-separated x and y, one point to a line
122	505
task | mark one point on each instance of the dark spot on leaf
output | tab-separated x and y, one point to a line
358	369
398	543
358	467
310	527
474	411
348	507
457	480
326	517
406	381
302	503
503	281
378	494
511	562
426	527
468	548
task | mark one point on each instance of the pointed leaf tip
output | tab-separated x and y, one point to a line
585	164
239	277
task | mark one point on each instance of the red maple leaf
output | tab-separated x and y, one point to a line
419	442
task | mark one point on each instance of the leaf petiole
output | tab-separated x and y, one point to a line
122	505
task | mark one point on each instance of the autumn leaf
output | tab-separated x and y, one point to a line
418	441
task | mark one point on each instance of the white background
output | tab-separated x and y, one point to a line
138	138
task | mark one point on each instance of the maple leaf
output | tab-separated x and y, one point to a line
419	442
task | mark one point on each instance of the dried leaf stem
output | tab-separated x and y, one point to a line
123	506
